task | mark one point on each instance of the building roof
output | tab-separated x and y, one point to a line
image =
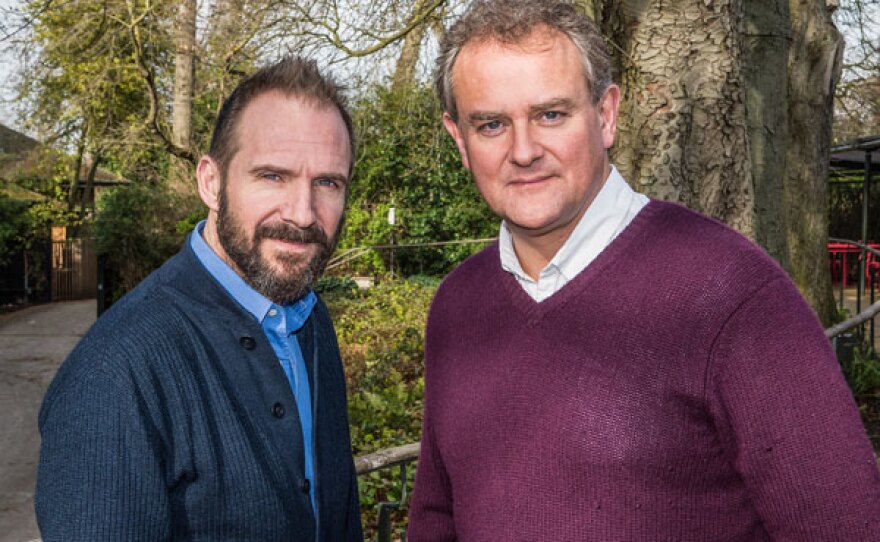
850	156
22	157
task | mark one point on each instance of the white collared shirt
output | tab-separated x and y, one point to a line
614	207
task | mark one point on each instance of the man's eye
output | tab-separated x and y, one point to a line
269	176
329	183
490	128
552	116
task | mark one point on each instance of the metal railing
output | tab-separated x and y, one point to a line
873	309
398	456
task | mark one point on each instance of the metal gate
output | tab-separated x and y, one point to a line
74	270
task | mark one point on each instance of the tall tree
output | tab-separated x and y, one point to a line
184	72
857	103
405	69
727	108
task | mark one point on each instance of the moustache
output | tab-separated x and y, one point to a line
286	232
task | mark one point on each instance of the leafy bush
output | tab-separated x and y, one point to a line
406	160
14	225
381	337
863	372
331	284
136	228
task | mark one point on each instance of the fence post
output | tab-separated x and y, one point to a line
385	508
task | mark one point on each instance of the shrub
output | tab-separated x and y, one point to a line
381	337
136	229
406	160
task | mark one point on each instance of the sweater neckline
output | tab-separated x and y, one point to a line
534	311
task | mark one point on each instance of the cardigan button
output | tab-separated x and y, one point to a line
278	410
305	486
248	343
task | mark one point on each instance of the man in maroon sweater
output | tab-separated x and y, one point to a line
614	368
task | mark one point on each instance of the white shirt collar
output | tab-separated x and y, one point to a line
611	211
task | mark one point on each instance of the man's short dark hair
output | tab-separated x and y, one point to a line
510	21
292	76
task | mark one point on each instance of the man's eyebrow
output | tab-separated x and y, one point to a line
260	168
557	103
285	172
479	116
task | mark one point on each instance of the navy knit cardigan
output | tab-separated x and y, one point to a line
173	420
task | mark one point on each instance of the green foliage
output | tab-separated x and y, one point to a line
845	196
408	161
14	225
381	336
863	373
136	230
335	285
85	85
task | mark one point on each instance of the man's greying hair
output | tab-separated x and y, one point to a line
510	21
293	77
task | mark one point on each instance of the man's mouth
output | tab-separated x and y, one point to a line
531	179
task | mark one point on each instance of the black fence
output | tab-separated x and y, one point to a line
26	275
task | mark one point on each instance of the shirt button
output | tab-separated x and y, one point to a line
273	312
305	486
246	342
278	410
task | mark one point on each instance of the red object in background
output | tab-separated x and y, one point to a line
840	265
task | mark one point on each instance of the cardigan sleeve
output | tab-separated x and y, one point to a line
99	476
788	422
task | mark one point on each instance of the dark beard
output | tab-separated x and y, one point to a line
294	279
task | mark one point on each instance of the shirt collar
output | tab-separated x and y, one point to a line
253	301
598	227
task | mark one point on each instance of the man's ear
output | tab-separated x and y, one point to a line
455	132
209	180
608	107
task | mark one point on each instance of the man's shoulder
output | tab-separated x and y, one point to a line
473	270
153	300
150	317
700	262
682	234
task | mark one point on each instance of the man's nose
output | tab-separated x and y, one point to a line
298	205
526	147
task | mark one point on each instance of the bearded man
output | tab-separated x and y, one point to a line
209	403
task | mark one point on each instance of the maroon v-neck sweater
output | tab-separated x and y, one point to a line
678	388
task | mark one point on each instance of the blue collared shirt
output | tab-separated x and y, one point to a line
279	323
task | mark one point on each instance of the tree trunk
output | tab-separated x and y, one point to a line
88	199
766	43
683	130
814	65
184	73
726	108
405	70
77	165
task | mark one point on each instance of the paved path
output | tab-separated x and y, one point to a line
33	342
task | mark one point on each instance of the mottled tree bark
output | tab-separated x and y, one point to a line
726	108
814	63
766	41
683	133
184	73
407	62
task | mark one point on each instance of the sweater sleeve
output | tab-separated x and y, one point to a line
789	424
430	513
99	476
